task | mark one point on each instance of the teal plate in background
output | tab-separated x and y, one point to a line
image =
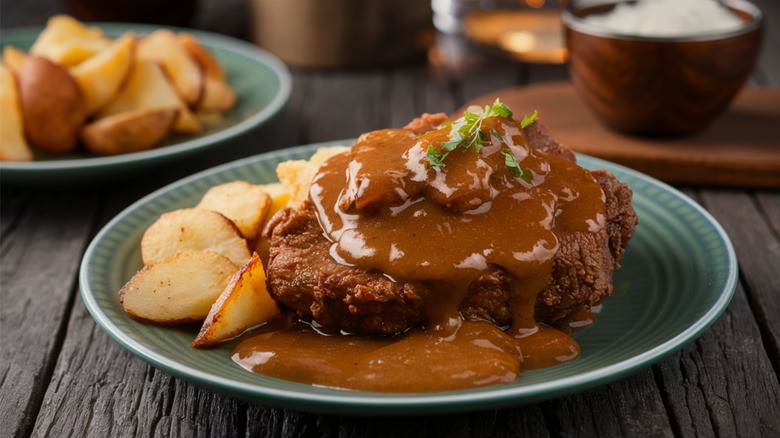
678	275
261	82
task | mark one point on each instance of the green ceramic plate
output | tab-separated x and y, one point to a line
679	273
261	81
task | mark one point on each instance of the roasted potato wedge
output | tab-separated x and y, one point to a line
13	57
163	46
13	145
192	229
296	175
279	199
68	42
132	131
243	203
53	107
100	76
178	288
217	94
148	88
245	303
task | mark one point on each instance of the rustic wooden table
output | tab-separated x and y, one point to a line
61	375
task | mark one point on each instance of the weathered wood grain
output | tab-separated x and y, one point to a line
769	203
629	407
342	105
758	251
44	234
723	384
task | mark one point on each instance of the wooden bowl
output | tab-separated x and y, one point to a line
660	86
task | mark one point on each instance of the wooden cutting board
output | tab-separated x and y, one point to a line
741	148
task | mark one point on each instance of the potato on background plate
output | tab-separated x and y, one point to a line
148	88
66	41
131	131
53	107
13	145
100	76
160	70
193	229
13	57
245	303
178	288
217	94
162	46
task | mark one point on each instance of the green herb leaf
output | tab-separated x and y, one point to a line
435	158
511	163
527	176
528	120
451	145
497	135
500	109
514	167
467	132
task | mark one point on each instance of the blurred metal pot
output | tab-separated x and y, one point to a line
342	33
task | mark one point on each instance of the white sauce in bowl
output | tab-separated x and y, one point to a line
668	18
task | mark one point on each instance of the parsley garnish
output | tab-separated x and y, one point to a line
514	167
467	132
529	119
435	159
497	135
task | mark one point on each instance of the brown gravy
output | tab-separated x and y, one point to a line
386	209
479	354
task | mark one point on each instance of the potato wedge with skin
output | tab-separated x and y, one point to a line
163	46
217	94
178	288
148	88
13	57
100	76
245	303
243	203
66	41
132	131
52	105
192	229
13	145
296	175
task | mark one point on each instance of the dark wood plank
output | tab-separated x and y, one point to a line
769	203
413	93
44	235
723	384
125	396
758	251
629	407
342	105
